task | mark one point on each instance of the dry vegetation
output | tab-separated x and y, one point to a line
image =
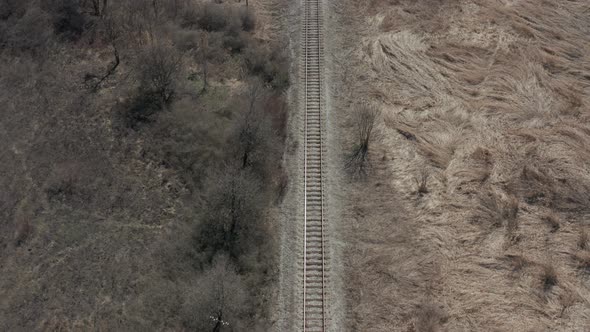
141	164
476	212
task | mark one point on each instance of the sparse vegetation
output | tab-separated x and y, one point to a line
140	171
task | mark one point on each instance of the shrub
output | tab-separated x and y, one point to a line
271	66
159	67
422	184
75	182
62	183
214	51
187	40
233	220
22	232
69	21
548	277
235	42
365	119
190	18
221	297
60	191
247	19
256	59
140	109
30	33
212	17
275	105
11	8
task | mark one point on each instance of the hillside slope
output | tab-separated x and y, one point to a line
140	164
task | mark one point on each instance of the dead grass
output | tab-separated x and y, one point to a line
492	98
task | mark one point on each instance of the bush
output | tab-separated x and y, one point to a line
221	296
422	184
187	40
271	66
235	39
159	67
190	17
235	42
30	33
78	183
11	8
233	222
214	51
212	17
69	22
548	277
365	120
247	19
140	109
22	232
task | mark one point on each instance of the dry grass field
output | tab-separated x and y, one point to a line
474	213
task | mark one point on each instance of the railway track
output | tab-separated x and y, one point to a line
314	238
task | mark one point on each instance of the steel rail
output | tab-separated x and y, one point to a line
314	234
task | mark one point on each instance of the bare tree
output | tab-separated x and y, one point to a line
221	298
365	123
99	7
204	49
112	33
156	8
234	219
159	66
249	134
